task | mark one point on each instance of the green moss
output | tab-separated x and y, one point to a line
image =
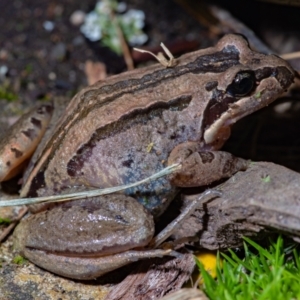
266	179
4	221
19	260
6	94
263	273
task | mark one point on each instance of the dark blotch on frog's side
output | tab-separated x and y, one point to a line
45	109
127	163
30	133
37	182
17	152
37	123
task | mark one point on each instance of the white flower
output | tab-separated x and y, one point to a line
103	7
138	39
97	25
91	27
136	16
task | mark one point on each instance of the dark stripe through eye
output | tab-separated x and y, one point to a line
242	85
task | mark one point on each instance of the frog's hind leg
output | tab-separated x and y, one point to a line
22	139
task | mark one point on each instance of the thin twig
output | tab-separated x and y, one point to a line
91	193
291	55
160	57
125	48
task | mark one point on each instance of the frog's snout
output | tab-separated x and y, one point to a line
285	76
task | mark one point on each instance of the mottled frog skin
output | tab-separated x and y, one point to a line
128	127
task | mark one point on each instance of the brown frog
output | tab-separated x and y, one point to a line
125	129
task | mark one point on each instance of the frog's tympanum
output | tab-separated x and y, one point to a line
125	129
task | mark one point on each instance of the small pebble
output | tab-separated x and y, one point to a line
48	25
58	52
77	17
31	86
52	76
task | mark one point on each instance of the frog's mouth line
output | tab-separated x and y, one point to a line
237	111
272	82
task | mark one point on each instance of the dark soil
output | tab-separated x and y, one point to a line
42	64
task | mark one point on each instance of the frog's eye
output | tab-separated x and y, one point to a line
243	84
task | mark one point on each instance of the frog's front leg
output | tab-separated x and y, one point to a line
201	167
198	168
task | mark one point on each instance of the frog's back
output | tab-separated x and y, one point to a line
127	125
123	129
